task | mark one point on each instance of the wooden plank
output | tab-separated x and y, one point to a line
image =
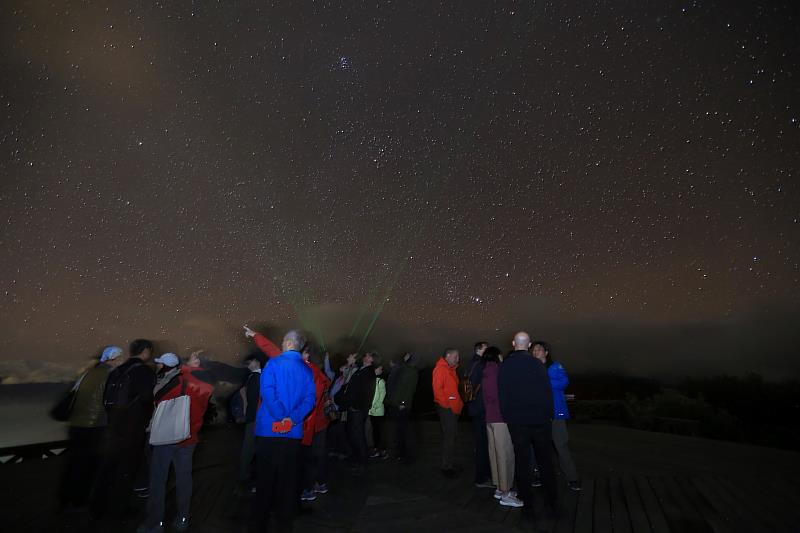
672	511
725	505
602	507
620	521
636	511
568	507
777	496
706	510
652	507
583	510
754	498
689	511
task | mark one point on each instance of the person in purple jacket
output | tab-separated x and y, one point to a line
500	447
558	382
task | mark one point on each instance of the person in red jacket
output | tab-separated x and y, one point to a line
448	407
314	456
196	383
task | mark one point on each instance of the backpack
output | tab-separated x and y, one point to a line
117	391
237	406
468	391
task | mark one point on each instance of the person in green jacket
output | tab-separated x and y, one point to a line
376	413
87	424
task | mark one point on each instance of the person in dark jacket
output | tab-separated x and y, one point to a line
87	424
360	392
250	392
128	398
526	403
287	396
473	372
400	391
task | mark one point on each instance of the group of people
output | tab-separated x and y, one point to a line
109	426
297	412
518	410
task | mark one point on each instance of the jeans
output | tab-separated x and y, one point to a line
160	460
315	461
449	422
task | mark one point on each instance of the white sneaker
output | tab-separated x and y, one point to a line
510	500
498	494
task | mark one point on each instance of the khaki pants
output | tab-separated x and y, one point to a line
501	455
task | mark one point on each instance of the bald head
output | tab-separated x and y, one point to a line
522	341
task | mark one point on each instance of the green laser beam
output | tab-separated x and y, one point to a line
383	302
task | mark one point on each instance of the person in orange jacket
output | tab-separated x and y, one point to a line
448	407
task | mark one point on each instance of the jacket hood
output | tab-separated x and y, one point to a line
442	362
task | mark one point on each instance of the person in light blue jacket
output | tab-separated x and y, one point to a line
558	382
287	396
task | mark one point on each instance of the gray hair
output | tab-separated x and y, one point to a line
294	339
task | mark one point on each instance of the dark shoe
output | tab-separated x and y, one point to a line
142	492
308	495
181	523
321	488
487	484
575	485
536	480
144	528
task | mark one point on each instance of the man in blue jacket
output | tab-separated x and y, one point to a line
287	396
526	401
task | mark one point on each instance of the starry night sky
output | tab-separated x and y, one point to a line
620	178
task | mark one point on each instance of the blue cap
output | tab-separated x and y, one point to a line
110	352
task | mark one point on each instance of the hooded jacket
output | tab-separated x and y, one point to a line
88	410
558	382
316	420
199	391
445	387
287	391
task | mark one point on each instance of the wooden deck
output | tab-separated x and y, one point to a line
632	481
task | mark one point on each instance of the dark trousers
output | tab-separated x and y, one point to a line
315	461
482	469
540	437
248	453
276	485
449	422
161	458
337	437
404	441
356	422
121	456
377	432
83	457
